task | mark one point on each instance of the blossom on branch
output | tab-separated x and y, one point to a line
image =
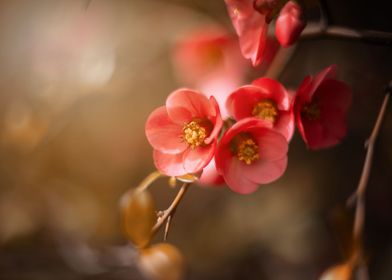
208	59
321	107
251	153
251	27
184	132
265	99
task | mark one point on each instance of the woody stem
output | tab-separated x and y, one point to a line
359	195
169	212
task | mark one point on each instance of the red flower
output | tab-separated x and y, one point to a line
210	60
289	24
210	176
251	153
184	132
250	20
266	99
320	107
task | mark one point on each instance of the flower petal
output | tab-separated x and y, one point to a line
217	121
334	95
169	164
327	73
254	38
264	171
163	134
235	179
274	90
272	145
194	160
183	105
285	124
240	103
210	175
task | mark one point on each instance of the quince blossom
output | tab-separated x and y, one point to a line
320	107
208	59
265	99
184	132
251	26
251	153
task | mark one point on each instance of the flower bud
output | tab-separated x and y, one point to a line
139	216
289	24
162	262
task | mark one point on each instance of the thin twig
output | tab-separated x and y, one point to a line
148	180
359	195
320	31
167	227
141	187
169	212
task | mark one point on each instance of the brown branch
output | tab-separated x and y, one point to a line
169	212
359	195
148	180
320	31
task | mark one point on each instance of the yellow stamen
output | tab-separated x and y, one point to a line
265	109
194	134
247	150
311	111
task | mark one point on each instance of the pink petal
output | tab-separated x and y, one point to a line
163	134
275	91
196	159
240	103
217	121
285	124
240	11
210	175
235	179
264	172
243	126
169	164
272	145
251	28
254	38
183	105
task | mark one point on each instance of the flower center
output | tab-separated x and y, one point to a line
194	134
247	150
311	111
266	110
213	55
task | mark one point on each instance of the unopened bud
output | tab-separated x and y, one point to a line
289	24
162	262
139	216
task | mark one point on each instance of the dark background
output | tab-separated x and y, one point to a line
72	143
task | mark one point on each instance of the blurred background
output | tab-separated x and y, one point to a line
77	82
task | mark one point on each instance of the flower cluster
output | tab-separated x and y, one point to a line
250	147
251	20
